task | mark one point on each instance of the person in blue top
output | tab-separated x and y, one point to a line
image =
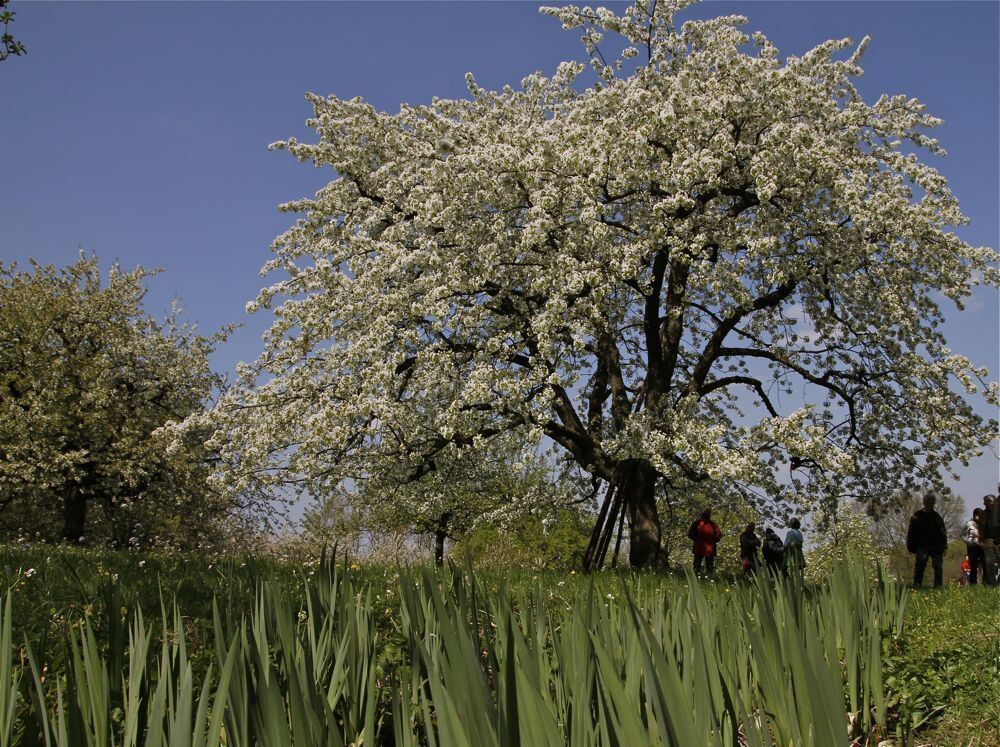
794	559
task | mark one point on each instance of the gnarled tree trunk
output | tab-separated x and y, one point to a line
638	493
632	496
440	535
74	515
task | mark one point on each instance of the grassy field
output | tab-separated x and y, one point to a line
115	648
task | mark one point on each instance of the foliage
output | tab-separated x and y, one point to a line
846	533
8	44
630	270
943	675
460	491
331	521
456	498
550	543
305	670
306	642
851	530
87	381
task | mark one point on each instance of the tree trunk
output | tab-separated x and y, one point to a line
440	535
638	486
439	538
74	515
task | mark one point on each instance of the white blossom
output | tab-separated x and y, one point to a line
722	265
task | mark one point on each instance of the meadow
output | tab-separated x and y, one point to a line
113	648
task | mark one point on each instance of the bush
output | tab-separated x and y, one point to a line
531	542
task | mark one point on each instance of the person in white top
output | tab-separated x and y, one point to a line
794	559
971	534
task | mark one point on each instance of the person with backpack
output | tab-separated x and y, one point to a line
749	545
927	539
705	534
773	551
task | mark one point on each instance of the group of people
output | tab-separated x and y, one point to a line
927	539
779	556
982	543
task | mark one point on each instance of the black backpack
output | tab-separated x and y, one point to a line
773	549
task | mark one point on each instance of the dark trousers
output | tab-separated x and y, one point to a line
992	563
709	563
977	559
923	555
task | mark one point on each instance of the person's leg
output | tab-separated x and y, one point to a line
918	567
796	561
697	563
990	565
937	560
987	560
710	564
976	559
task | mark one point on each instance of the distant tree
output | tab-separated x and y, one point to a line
638	271
8	44
891	523
850	529
331	522
847	531
460	490
556	541
87	381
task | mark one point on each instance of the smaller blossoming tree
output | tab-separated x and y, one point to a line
87	380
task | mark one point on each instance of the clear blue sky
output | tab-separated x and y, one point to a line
139	130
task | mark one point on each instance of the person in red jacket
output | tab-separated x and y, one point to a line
706	534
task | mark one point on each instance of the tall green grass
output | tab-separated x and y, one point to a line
463	662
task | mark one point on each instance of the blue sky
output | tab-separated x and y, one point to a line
139	130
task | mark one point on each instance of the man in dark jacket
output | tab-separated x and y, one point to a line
927	539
